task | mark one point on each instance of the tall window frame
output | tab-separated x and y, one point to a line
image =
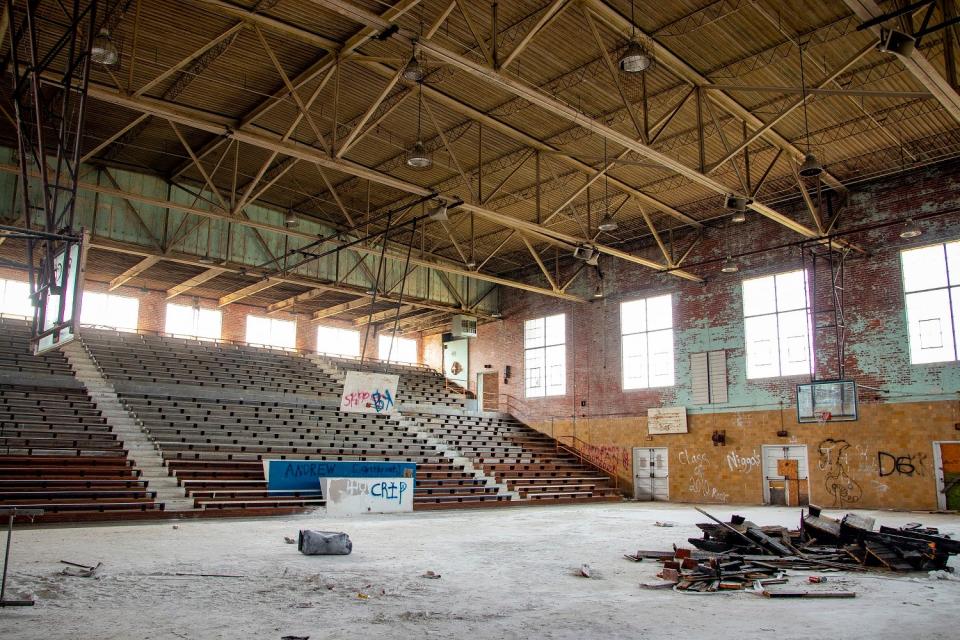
402	350
646	343
121	313
931	291
545	356
193	322
271	332
778	328
15	298
338	342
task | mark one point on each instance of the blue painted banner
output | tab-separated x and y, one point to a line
288	475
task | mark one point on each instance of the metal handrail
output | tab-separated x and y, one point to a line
576	451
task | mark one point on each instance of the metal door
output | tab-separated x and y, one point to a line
947	462
651	479
785	475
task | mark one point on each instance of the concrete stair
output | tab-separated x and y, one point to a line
141	448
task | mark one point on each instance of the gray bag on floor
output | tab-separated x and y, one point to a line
324	543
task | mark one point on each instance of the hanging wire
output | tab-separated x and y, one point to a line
803	91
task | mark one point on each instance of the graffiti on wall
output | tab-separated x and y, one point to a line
700	485
909	465
366	392
608	456
835	463
744	464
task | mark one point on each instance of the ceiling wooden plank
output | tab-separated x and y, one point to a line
133	272
195	281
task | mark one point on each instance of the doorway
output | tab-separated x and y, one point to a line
785	475
946	459
651	479
488	391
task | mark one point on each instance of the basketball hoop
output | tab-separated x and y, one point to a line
823	417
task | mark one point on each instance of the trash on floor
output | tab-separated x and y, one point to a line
324	543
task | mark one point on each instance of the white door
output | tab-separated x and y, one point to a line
792	487
650	474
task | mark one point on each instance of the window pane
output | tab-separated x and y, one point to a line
763	359
556	367
636	364
271	332
397	350
535	378
633	316
126	312
555	330
15	298
953	262
105	310
924	268
341	342
661	358
791	290
208	324
759	296
533	333
928	319
659	312
258	330
179	320
794	343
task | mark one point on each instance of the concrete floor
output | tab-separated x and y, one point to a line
506	573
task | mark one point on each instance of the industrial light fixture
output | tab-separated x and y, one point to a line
418	158
730	266
496	314
291	220
206	259
739	216
733	202
598	290
637	58
896	42
607	223
414	71
439	213
103	51
586	253
910	229
810	167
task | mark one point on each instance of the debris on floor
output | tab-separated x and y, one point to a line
289	540
431	575
83	571
740	555
324	543
585	570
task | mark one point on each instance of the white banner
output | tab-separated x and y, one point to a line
346	496
365	392
667	420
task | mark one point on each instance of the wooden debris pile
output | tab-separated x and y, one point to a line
740	555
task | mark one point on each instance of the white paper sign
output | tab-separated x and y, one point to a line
667	420
365	392
347	496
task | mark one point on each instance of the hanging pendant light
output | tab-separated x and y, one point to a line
739	216
103	51
414	71
730	266
418	158
291	220
810	167
637	58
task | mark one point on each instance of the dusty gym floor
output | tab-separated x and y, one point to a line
505	573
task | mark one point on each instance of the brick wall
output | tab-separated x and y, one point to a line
709	316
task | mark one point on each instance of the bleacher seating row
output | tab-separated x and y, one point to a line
59	453
527	461
215	449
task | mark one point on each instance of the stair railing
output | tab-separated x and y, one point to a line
576	449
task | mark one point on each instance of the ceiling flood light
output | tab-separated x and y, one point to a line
418	158
439	213
910	229
730	266
896	42
103	51
738	217
291	220
733	202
